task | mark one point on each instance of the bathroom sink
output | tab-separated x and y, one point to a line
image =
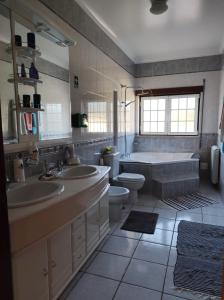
78	172
29	194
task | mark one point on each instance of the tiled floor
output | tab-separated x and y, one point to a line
131	266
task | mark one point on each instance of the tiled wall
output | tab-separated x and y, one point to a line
86	150
73	14
102	67
179	66
194	144
99	76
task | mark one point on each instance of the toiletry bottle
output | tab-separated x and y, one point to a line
18	40
36	100
33	72
23	71
101	161
26	100
31	40
34	152
19	174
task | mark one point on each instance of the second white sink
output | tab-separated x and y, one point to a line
78	172
33	193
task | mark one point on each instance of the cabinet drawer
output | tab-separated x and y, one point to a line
77	222
79	236
104	228
78	256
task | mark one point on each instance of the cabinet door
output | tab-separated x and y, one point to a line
104	214
60	260
30	273
93	226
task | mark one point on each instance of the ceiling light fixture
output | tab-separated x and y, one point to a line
158	7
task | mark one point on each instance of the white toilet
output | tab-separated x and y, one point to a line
117	196
131	181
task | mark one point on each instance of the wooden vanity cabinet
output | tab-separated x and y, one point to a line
30	273
60	260
93	226
42	270
104	214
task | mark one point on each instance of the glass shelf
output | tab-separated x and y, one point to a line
25	52
25	81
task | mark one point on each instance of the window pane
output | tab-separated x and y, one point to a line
191	103
190	126
174	126
174	103
182	127
146	104
153	126
161	104
161	115
182	115
190	115
174	115
146	115
182	103
154	104
146	126
161	126
153	115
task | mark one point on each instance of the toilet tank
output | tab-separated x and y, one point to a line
112	160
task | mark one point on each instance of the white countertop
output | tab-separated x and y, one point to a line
71	188
29	224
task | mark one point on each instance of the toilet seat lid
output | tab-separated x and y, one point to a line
131	177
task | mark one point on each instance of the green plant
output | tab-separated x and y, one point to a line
106	150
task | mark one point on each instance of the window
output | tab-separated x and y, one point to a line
99	116
173	115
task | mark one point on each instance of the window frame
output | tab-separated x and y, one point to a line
168	114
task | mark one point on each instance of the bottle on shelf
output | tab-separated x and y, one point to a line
33	72
31	40
18	40
18	166
23	71
26	100
36	100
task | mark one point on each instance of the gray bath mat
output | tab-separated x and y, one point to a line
139	221
189	201
200	253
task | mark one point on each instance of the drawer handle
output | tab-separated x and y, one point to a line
53	264
45	272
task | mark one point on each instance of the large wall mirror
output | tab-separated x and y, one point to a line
34	80
7	95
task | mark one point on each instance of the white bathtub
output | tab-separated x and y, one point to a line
159	157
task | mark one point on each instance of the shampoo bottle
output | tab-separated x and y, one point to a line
19	174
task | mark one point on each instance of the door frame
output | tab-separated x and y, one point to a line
6	287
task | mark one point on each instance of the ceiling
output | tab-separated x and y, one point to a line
190	28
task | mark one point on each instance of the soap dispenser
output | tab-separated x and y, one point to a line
18	165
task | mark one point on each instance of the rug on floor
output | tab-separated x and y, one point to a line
189	201
200	254
143	222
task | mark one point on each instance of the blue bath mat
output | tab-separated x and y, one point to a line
200	253
142	222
